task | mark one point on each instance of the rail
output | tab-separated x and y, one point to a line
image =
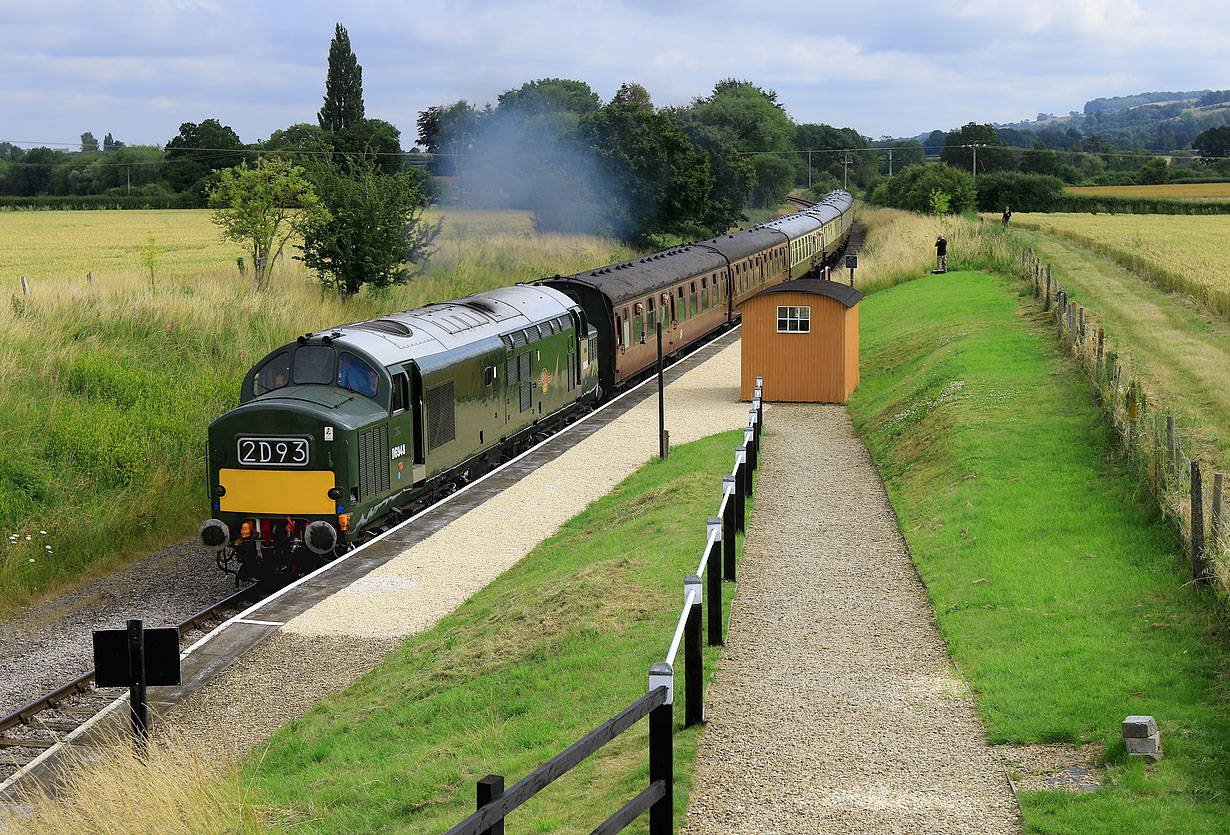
25	713
494	804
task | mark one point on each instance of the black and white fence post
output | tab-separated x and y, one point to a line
728	528
713	565
693	654
741	488
491	788
661	751
758	400
749	459
754	451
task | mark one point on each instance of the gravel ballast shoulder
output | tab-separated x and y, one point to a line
834	708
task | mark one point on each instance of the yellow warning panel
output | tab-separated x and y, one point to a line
277	492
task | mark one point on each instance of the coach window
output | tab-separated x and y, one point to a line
627	330
638	322
273	374
652	315
620	339
793	319
683	306
692	299
704	293
313	364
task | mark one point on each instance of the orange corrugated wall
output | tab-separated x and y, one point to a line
821	366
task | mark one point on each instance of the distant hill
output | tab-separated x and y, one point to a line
1157	121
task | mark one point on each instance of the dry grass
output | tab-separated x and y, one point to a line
1188	254
899	246
1173	191
174	790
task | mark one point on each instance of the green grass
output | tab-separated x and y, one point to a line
553	648
1056	587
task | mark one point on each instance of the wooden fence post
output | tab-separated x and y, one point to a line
25	288
1218	520
713	564
1199	572
693	656
89	278
1172	446
661	751
1101	343
741	480
491	788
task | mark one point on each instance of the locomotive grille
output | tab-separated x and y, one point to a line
524	373
441	422
572	371
527	396
373	474
510	374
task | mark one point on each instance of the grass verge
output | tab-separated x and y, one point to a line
1055	585
549	651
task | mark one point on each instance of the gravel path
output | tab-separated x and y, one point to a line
834	708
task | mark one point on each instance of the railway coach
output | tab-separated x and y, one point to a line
340	429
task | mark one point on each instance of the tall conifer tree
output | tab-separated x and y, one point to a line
343	87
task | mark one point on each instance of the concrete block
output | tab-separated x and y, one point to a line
1136	727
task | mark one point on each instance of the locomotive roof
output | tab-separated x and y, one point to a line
745	242
631	279
444	326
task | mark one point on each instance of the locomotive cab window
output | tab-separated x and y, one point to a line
272	375
793	319
356	375
313	364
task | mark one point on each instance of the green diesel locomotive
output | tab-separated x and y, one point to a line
341	429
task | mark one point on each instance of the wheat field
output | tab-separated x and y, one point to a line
1173	191
1188	254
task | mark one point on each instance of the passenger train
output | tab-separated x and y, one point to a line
341	432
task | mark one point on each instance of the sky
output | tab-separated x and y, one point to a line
140	69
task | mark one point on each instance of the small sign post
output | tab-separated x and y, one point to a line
851	264
137	658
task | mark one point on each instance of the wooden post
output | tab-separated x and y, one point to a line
1172	446
1101	343
713	565
741	488
749	459
89	278
693	656
25	288
1218	519
661	752
1199	569
491	788
1082	328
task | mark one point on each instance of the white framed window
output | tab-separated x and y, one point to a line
793	319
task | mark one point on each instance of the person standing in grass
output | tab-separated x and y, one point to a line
1007	216
941	254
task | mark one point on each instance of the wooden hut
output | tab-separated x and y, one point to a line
802	338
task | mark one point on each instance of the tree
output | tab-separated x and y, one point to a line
1213	143
31	173
1154	172
301	137
734	178
373	138
343	105
913	188
550	96
110	143
752	120
264	207
198	151
88	142
632	93
656	181
1023	192
991	153
934	143
374	228
447	133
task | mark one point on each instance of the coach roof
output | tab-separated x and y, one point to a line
632	279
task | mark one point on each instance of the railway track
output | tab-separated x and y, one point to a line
30	734
39	725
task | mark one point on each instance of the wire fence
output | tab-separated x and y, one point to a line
1193	505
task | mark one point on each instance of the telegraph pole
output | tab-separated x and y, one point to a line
890	162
